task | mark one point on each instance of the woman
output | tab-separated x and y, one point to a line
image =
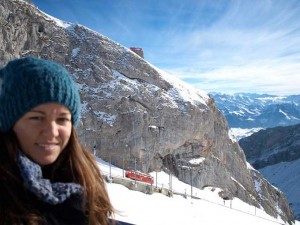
46	177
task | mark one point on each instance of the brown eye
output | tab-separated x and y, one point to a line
63	120
36	118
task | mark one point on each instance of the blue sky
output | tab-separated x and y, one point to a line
216	45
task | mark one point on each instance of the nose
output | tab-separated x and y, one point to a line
51	129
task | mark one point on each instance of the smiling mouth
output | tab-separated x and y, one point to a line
47	146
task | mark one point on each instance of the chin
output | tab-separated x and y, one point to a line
45	162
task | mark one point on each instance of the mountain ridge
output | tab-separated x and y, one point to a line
272	145
248	110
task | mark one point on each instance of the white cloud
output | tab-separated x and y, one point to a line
270	76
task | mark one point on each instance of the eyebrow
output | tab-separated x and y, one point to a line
41	112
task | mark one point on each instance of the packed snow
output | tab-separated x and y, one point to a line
286	177
205	208
236	134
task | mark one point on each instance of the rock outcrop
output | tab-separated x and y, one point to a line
135	114
271	146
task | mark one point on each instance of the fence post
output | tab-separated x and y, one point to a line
110	166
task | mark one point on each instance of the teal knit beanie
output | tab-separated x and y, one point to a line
29	82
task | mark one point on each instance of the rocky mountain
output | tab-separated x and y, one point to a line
275	153
136	115
271	146
258	110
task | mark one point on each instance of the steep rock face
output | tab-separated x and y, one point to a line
134	114
273	145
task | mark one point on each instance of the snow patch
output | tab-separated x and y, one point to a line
109	119
75	52
186	91
197	161
236	134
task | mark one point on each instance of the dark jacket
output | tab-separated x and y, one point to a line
67	213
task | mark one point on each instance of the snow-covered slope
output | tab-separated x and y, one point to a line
209	209
286	177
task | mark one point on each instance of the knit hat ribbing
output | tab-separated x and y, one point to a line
29	82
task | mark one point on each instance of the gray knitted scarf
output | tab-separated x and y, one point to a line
52	193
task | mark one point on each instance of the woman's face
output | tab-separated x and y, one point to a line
44	132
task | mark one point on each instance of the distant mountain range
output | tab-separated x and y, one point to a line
245	110
268	130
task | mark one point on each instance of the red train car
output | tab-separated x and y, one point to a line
137	175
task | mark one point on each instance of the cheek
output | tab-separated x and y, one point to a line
25	136
65	135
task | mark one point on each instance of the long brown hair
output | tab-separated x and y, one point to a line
75	164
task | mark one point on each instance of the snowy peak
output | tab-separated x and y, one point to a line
244	110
